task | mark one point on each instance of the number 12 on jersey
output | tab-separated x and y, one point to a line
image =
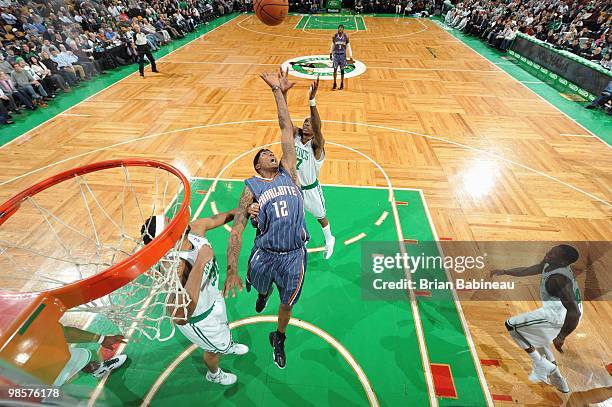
280	208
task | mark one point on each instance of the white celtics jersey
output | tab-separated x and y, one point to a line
209	290
308	167
551	301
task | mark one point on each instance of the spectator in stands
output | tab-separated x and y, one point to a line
574	46
565	24
56	42
5	66
508	38
45	73
48	47
162	35
85	54
80	58
26	53
5	118
9	103
47	85
110	35
67	74
25	81
11	91
606	62
10	55
597	55
65	61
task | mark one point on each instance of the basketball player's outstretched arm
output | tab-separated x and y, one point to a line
561	287
280	85
232	280
200	226
520	271
76	335
318	143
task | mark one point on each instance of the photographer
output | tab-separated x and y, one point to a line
605	97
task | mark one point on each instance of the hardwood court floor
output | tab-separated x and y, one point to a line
491	156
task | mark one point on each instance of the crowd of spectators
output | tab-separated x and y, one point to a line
583	27
405	7
51	46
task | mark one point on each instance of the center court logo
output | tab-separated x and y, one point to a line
309	67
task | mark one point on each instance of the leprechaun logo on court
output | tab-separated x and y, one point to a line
309	67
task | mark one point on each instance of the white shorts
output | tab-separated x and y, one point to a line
539	327
79	358
314	202
212	333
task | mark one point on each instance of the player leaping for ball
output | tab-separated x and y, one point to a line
340	45
279	253
310	152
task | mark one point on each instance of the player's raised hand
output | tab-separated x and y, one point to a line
283	78
271	78
232	282
313	89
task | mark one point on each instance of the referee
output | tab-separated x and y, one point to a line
141	46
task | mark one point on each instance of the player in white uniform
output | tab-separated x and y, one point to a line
205	324
310	152
558	317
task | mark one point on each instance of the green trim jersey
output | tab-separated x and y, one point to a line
209	290
551	301
308	167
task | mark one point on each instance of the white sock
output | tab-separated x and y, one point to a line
327	233
535	356
546	353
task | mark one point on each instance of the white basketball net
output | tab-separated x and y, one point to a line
84	225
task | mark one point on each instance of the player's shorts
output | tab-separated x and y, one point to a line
286	270
539	327
210	332
314	201
339	60
79	358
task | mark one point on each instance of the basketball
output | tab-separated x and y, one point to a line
271	12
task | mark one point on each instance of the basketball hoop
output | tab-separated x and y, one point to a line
75	238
